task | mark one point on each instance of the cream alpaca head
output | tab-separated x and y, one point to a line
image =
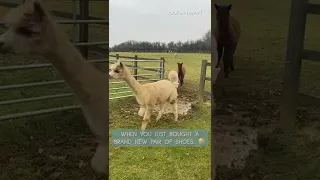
117	70
25	25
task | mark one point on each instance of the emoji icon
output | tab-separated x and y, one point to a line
201	140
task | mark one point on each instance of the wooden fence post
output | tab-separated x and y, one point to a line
291	77
135	70
162	68
202	79
117	56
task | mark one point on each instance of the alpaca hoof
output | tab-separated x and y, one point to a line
144	125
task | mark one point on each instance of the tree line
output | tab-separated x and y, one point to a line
191	46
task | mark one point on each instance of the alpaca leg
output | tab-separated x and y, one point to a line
161	111
225	66
220	49
146	117
175	110
226	60
231	62
142	110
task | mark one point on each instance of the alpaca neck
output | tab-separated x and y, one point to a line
68	61
223	28
180	71
133	83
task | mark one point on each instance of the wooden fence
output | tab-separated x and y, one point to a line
294	55
203	79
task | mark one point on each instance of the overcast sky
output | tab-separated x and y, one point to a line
158	20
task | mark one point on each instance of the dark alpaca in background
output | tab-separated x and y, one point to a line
227	33
181	73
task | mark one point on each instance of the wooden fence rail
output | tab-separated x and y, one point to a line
294	55
203	78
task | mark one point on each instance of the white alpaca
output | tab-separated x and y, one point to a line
173	77
148	95
175	55
32	30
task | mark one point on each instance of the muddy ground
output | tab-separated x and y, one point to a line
233	143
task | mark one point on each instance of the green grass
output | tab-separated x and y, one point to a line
255	87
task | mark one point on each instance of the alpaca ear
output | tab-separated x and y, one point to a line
216	6
121	65
229	7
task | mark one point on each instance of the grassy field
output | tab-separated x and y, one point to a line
255	87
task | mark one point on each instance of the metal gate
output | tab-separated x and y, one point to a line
142	69
15	96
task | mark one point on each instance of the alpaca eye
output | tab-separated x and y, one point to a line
117	71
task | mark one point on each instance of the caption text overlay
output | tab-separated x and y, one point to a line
159	137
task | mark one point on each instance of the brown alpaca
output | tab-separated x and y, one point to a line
227	34
30	29
181	73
